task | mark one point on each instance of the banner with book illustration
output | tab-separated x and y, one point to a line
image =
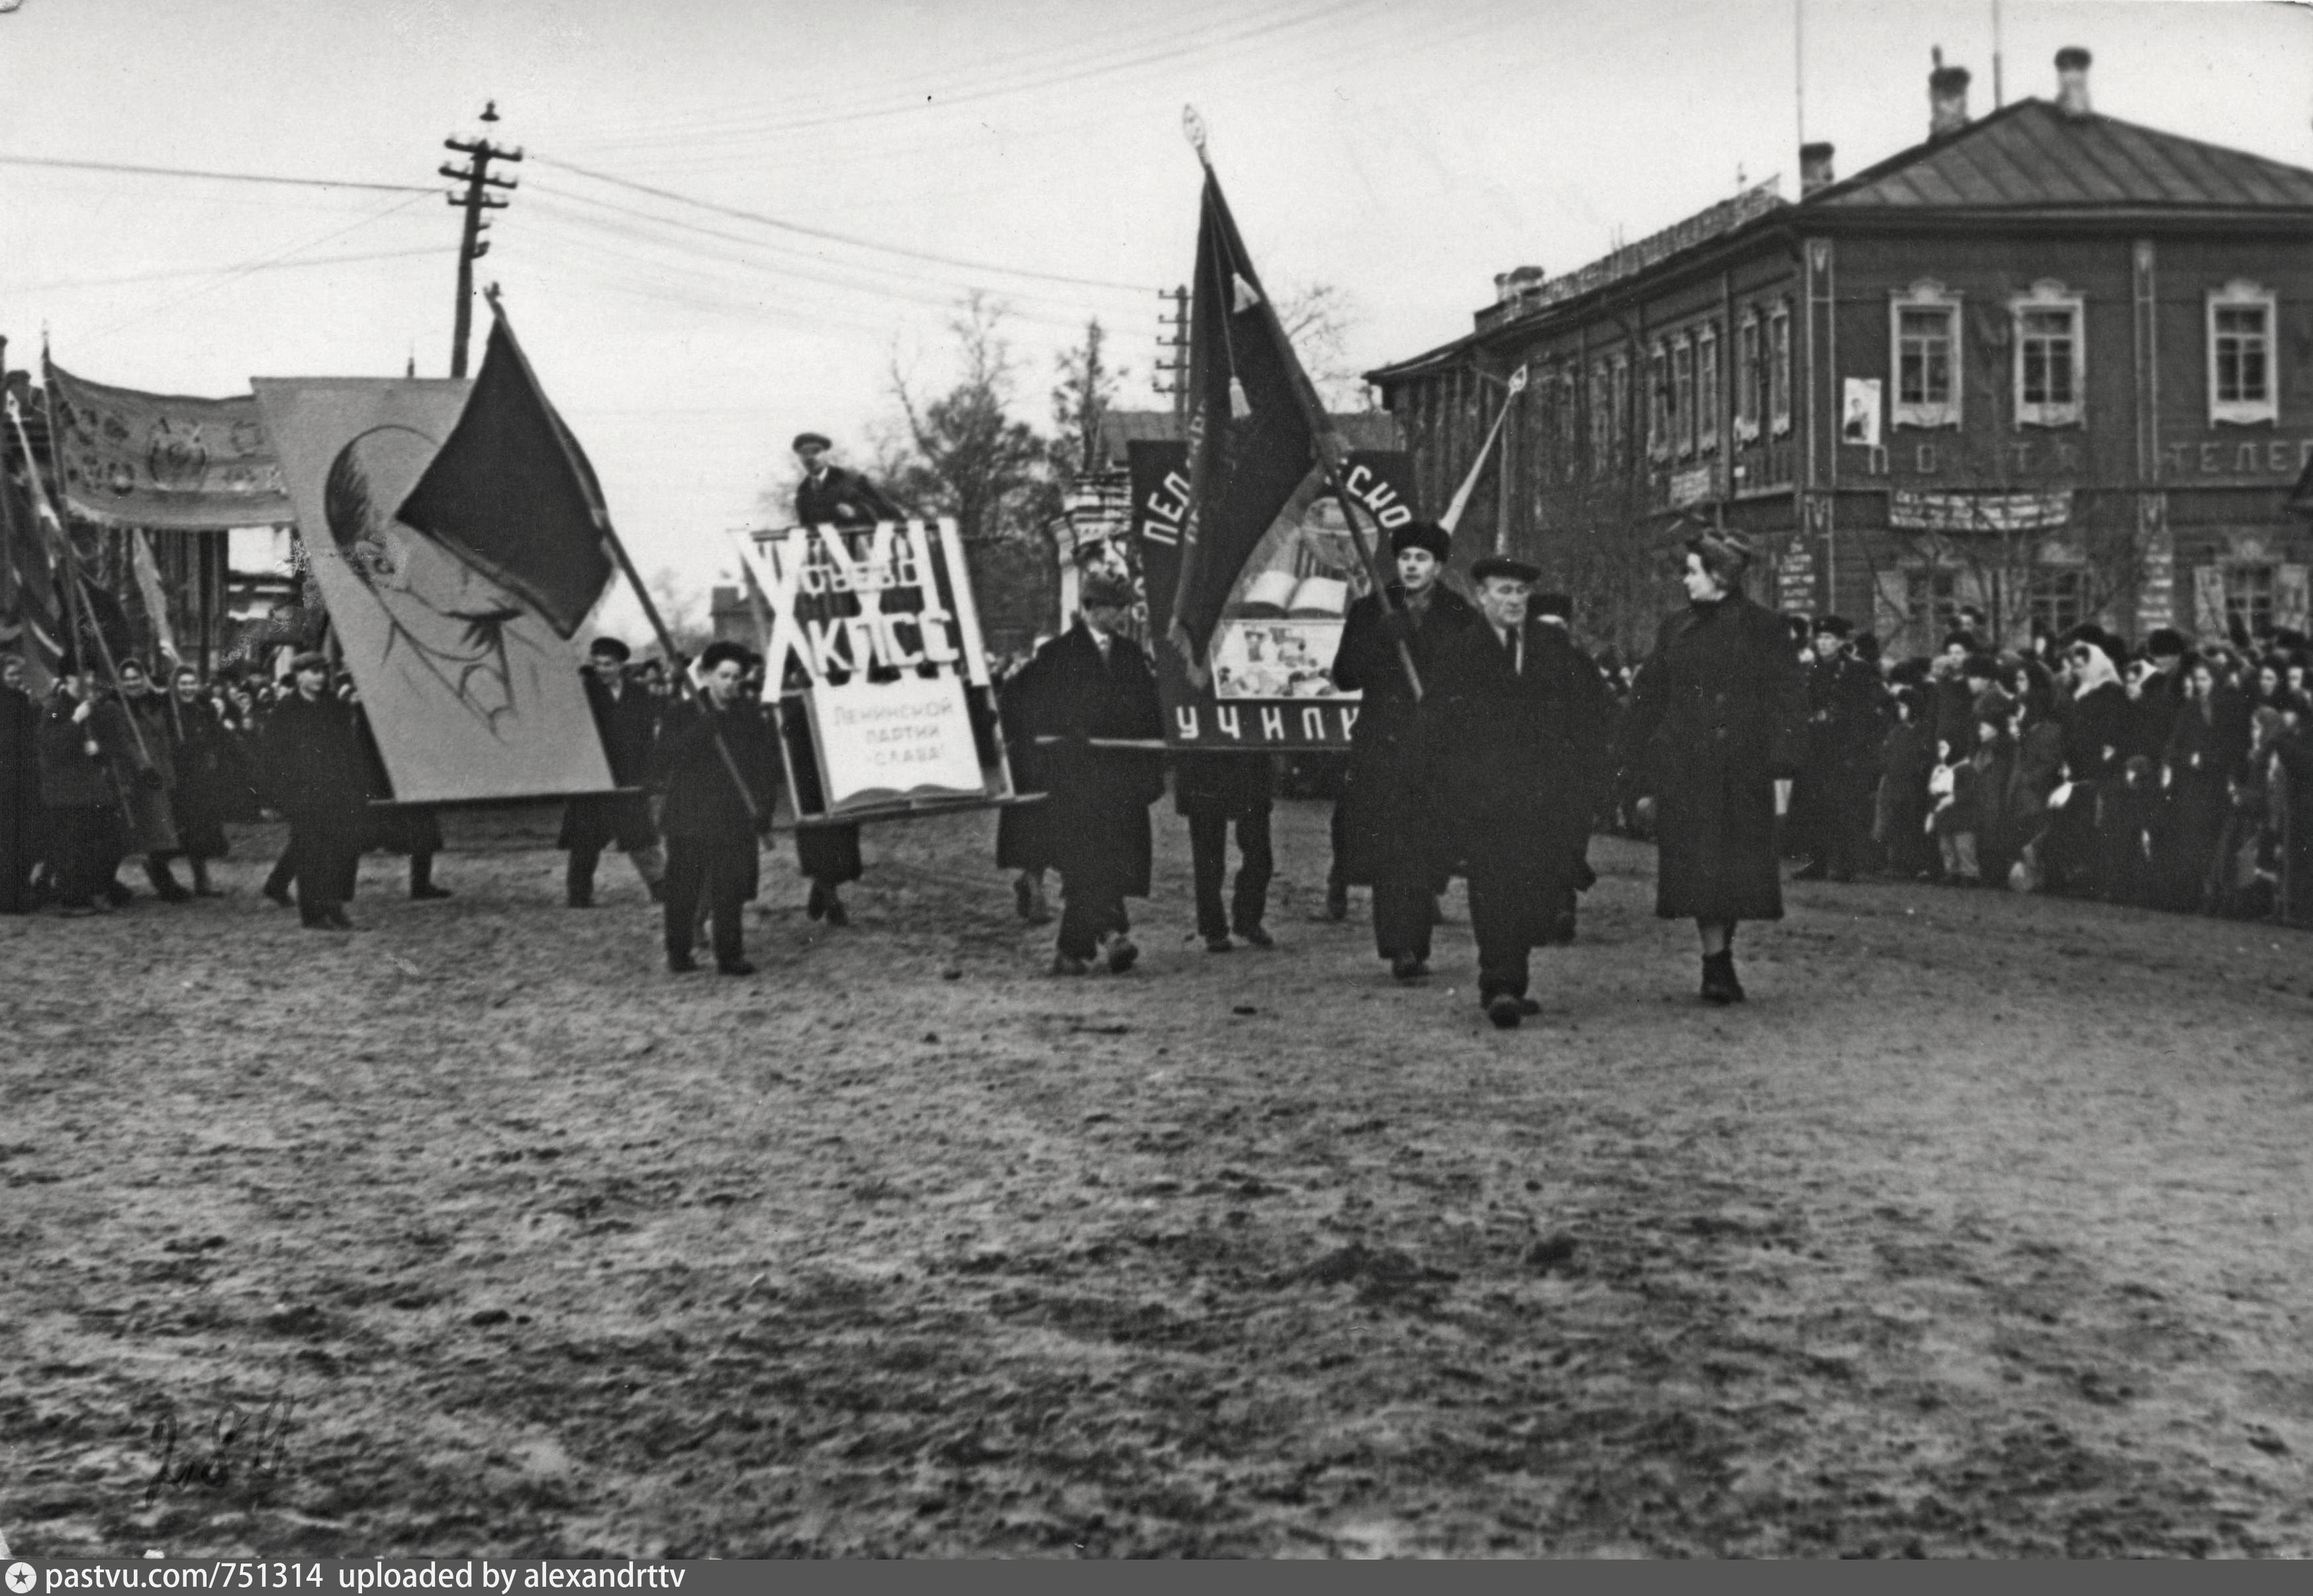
1269	676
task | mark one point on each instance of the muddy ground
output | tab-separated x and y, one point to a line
1983	1228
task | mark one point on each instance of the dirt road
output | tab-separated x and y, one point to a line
1983	1228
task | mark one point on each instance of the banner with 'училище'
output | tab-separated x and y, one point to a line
1268	681
873	632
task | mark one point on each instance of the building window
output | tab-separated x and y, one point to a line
1602	418
1706	388
2248	599
1926	331
1619	411
1747	407
1657	402
2058	600
2241	387
2051	357
1779	370
1931	603
1682	393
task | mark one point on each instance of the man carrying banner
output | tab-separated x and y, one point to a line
1096	685
88	760
627	717
320	779
1520	729
710	821
1209	791
1389	837
151	817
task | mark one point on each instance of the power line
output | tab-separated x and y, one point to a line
214	177
65	284
828	236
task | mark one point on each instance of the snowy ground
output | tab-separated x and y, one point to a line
1983	1228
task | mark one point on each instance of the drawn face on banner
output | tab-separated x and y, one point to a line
446	619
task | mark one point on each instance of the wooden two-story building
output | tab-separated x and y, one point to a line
2048	364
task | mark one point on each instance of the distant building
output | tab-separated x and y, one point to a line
2049	363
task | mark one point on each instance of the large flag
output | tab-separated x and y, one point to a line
512	493
155	459
1256	431
470	693
55	619
31	623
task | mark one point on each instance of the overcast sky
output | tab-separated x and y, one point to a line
1404	151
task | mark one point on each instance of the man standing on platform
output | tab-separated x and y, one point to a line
1388	839
830	495
1520	739
1097	684
626	717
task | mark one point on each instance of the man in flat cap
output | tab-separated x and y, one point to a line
705	751
1386	837
626	717
1831	800
1520	721
320	779
1095	683
830	495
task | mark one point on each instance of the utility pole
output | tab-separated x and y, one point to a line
1172	376
479	153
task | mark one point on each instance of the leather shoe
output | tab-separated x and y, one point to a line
1122	953
1504	1011
1337	900
1219	944
1257	935
1405	967
1529	1006
1719	983
1064	964
837	915
816	905
733	966
680	964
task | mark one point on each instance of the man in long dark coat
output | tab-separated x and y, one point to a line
1518	719
1831	800
320	779
1209	791
710	830
1388	838
89	765
626	718
1096	683
152	809
23	821
1716	730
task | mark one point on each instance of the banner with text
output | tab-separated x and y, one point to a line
875	631
154	459
1268	681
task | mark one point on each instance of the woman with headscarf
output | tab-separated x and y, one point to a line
2207	743
1716	730
2095	717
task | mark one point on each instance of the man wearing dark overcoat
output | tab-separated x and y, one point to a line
1715	731
152	811
1387	837
1095	683
23	821
318	776
1209	791
88	766
830	495
1519	728
626	718
710	827
1832	798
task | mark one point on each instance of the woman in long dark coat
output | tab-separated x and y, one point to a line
1717	729
204	754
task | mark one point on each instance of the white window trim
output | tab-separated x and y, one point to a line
1706	397
1780	363
1683	417
1927	294
2235	295
1659	422
2050	295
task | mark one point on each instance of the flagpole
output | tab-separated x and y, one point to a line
1330	451
617	553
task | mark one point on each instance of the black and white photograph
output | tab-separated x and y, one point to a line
1310	779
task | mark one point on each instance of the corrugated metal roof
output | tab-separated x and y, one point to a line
2032	154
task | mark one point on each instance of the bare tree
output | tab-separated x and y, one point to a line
1319	318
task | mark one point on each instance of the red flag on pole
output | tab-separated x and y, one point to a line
512	493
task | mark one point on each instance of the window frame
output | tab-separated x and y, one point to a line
1779	368
1682	395
2242	594
1618	373
1748	396
2241	294
2048	295
1706	388
2056	598
1924	296
1658	402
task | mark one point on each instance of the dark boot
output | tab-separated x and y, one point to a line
421	878
1719	983
164	881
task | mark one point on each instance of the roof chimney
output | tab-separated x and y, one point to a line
1946	98
2072	81
1814	169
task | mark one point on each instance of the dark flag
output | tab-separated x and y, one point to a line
1256	430
30	624
512	493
